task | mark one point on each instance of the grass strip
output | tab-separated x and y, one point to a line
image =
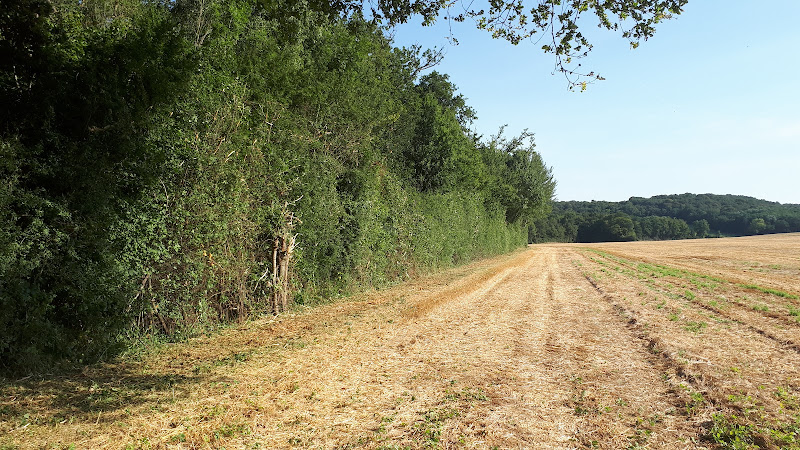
769	291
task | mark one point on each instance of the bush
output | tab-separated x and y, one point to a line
224	163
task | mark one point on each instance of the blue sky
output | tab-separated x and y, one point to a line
711	104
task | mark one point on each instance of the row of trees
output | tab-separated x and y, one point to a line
663	217
166	167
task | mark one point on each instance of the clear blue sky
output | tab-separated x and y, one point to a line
711	104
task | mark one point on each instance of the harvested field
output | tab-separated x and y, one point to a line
690	344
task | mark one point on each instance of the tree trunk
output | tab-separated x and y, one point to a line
281	262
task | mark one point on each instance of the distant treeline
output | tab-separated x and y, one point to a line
663	217
166	167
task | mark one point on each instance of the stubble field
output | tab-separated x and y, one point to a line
683	344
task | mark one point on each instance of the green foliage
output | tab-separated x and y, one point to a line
73	132
525	185
149	195
757	226
663	228
769	291
701	228
667	217
730	434
460	228
517	20
607	228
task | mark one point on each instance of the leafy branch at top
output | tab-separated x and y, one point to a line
557	23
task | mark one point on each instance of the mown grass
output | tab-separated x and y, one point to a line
777	292
701	282
751	426
732	432
794	312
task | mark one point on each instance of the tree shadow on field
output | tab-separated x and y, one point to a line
111	392
101	393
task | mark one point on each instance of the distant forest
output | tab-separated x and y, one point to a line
664	217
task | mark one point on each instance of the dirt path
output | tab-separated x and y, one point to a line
546	348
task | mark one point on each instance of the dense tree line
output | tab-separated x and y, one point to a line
166	167
663	217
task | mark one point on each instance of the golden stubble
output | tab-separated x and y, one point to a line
557	346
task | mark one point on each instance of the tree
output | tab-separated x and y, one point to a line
757	226
556	21
701	228
442	154
444	92
531	181
620	228
667	217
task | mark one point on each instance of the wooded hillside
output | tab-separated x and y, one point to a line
167	167
664	217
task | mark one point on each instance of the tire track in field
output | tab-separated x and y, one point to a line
711	360
779	343
739	319
654	345
729	258
611	374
